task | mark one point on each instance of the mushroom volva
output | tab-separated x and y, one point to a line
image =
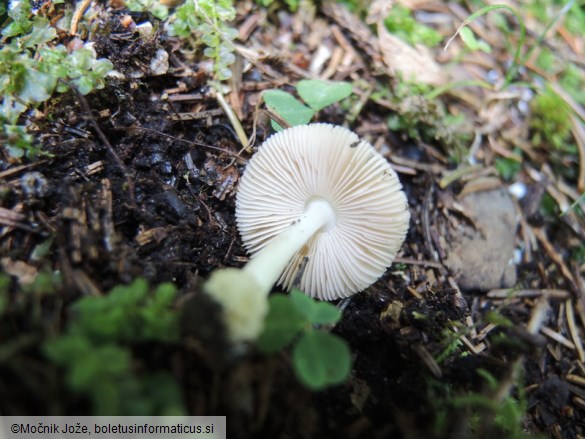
318	209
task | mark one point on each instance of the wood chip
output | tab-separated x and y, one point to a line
85	284
557	337
475	349
485	331
414	293
94	168
428	359
13	170
575	379
10	217
196	116
249	25
573	329
507	293
579	402
156	234
185	97
481	184
555	256
357	29
410	261
24	272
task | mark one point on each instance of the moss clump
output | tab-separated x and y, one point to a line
551	122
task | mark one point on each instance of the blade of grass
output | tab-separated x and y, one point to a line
549	25
516	62
457	84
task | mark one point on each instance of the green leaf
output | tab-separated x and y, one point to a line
319	94
153	6
516	63
507	167
282	324
315	312
491	381
164	295
19	13
42	32
42	250
473	43
321	359
287	107
37	86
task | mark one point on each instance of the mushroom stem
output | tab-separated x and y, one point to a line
269	263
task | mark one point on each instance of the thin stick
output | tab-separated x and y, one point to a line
77	15
233	120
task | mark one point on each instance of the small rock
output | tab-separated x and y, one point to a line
160	63
34	185
482	258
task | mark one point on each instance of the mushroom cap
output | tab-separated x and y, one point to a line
322	161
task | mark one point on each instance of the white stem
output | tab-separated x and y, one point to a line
269	263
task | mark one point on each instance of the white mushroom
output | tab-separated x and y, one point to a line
320	204
321	210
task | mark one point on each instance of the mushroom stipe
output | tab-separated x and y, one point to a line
318	209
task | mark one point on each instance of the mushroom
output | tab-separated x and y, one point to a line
318	209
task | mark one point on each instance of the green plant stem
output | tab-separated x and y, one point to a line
457	174
233	120
550	24
445	88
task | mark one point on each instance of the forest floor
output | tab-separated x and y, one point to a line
474	331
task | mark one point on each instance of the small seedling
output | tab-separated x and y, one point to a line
471	42
32	68
205	23
320	359
155	7
317	94
493	415
95	350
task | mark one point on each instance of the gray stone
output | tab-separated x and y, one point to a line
481	257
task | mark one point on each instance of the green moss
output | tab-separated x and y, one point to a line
573	83
550	121
401	23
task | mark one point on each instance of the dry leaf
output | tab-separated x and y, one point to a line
25	273
413	64
378	11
